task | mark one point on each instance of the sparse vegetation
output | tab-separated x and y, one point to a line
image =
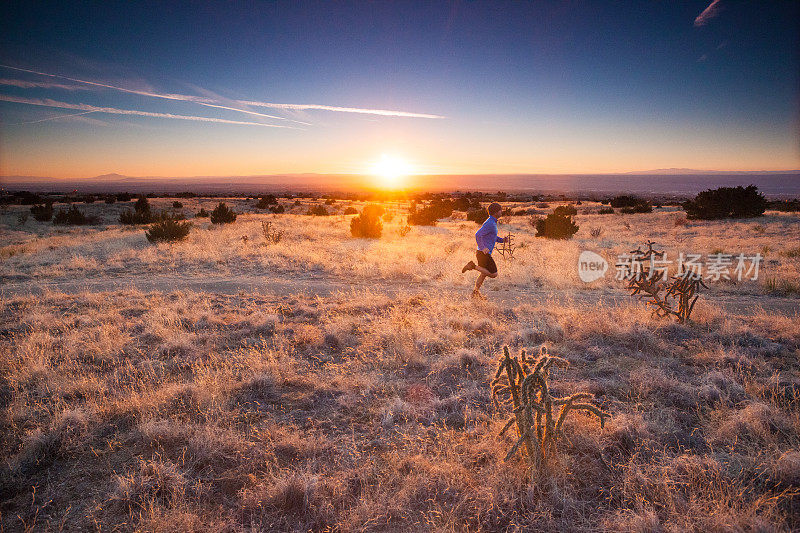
202	214
163	388
73	217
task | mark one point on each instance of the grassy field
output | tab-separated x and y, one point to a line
360	400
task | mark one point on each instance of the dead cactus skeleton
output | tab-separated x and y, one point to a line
521	383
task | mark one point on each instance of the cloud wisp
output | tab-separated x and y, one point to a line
57	117
179	97
708	13
302	107
22	84
215	103
114	111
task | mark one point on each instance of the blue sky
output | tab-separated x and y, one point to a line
479	87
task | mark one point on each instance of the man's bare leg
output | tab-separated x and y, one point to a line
483	275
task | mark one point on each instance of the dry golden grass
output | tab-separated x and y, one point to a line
364	410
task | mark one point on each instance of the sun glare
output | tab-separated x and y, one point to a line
391	171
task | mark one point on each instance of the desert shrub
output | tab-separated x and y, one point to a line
177	205
72	217
566	210
140	214
631	204
88	199
222	214
726	202
330	201
478	216
271	235
787	206
556	227
351	211
168	230
606	211
124	197
427	216
22	217
368	224
202	214
404	230
266	201
110	199
42	213
318	211
680	221
596	232
643	207
543	205
277	209
624	201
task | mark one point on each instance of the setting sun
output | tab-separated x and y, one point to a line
391	171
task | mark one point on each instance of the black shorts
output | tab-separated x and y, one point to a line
486	261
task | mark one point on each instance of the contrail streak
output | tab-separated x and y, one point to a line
708	13
208	102
53	118
115	111
178	97
383	112
41	85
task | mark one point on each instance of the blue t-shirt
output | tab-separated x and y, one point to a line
486	236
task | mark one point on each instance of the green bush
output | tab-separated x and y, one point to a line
556	227
168	230
266	201
427	216
140	214
73	217
222	215
202	214
568	210
478	216
631	204
42	213
368	224
318	211
726	202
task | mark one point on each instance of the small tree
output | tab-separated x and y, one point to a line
168	230
42	213
266	201
368	224
566	210
556	227
140	214
726	202
222	215
318	211
72	217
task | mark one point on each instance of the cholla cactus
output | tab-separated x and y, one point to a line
522	384
679	295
